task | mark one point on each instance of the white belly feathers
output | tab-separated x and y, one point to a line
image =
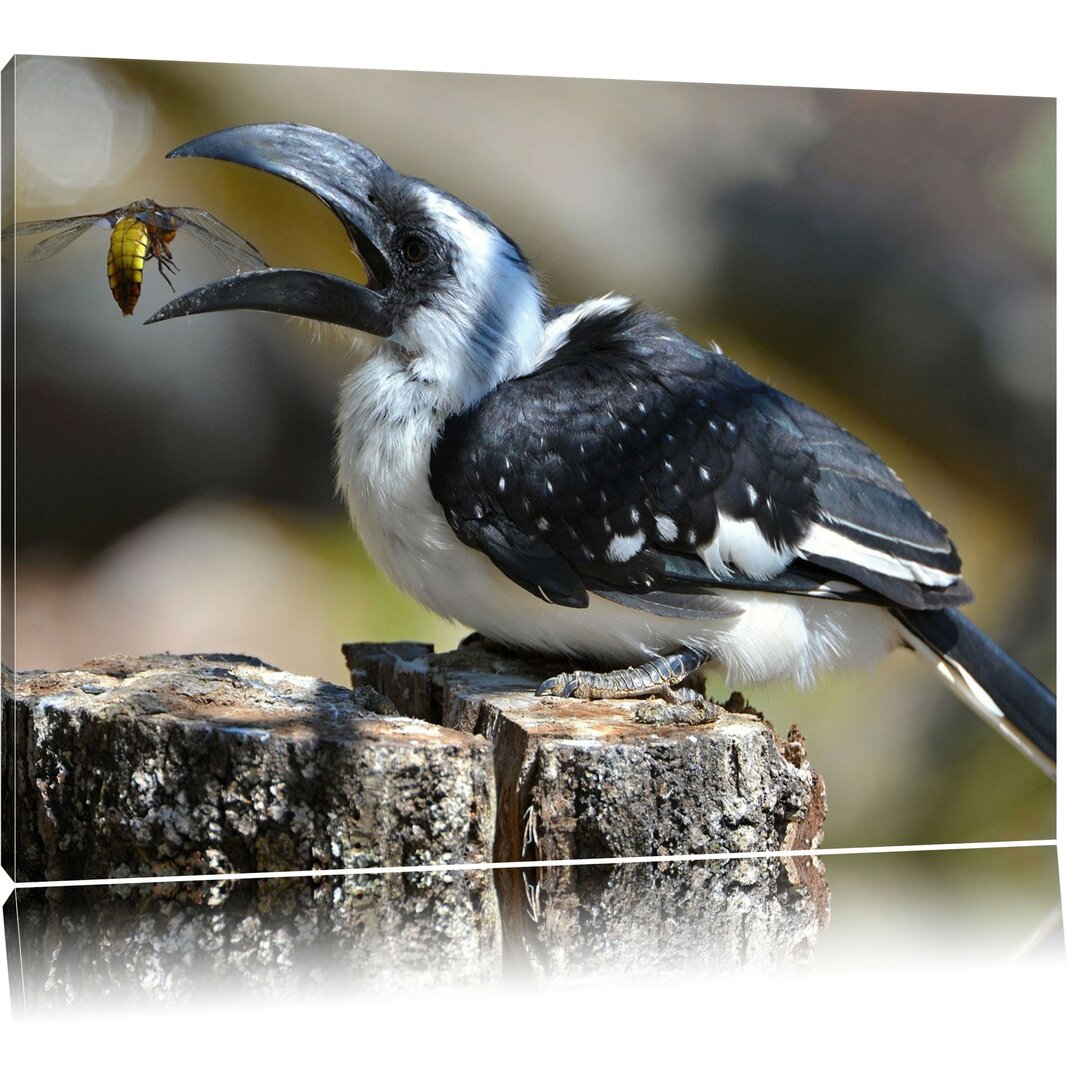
386	431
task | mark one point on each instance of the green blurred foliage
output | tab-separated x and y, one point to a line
1029	183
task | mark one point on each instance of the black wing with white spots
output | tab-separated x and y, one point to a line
613	466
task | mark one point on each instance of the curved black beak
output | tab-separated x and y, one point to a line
340	172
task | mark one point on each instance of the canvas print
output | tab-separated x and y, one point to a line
415	472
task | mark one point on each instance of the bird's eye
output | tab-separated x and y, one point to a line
415	249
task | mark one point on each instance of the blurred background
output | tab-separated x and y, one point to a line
888	257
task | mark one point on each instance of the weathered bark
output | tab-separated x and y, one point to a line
82	946
216	764
588	780
660	918
85	946
608	779
168	765
173	765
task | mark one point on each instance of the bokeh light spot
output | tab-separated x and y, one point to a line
79	124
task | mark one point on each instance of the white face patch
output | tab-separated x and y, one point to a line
485	327
623	548
476	243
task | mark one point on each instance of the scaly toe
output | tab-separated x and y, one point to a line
566	685
552	687
681	695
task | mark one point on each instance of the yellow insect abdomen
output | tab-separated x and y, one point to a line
128	246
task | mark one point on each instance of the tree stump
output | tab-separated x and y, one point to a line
599	780
218	764
661	918
82	946
595	780
166	765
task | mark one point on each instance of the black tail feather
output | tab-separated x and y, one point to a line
977	669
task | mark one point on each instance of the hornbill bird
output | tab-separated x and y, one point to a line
586	482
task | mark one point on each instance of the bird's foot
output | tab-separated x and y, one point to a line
682	695
658	676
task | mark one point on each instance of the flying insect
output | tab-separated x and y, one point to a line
141	231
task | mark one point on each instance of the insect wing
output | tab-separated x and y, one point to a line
227	245
51	245
69	229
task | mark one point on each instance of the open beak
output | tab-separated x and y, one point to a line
340	173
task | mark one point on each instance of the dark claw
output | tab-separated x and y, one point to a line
557	686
